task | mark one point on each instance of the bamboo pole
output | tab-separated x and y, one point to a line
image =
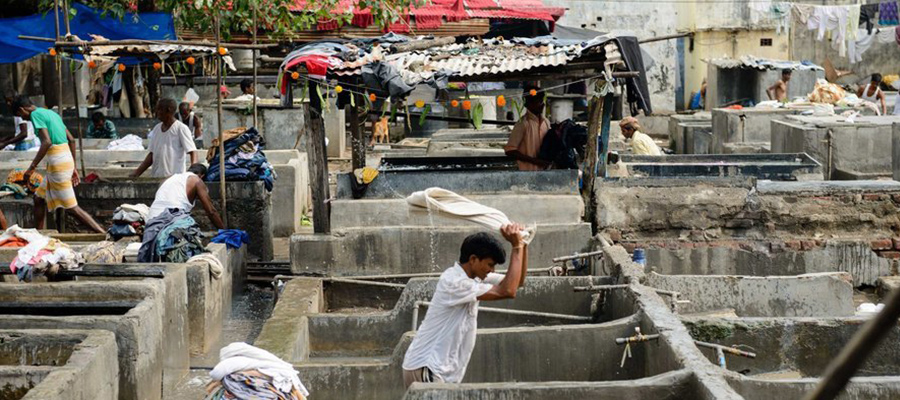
75	96
59	76
139	42
218	92
255	54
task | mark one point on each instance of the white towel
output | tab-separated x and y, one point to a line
215	266
453	205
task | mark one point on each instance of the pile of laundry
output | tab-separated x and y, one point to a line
244	160
105	252
173	236
128	220
129	142
233	238
247	372
15	183
41	255
830	93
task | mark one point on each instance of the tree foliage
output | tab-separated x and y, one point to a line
275	17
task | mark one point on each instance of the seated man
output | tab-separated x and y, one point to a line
24	137
247	87
101	128
170	140
526	137
444	342
641	144
872	92
174	201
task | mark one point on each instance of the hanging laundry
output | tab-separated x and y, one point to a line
865	41
247	372
867	13
887	13
831	19
767	12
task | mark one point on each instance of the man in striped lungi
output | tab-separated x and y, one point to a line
58	145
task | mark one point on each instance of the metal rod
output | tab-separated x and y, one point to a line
136	42
218	92
720	354
637	338
578	256
829	163
861	345
666	37
370	283
255	54
511	312
598	288
726	349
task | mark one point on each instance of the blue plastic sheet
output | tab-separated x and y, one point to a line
87	21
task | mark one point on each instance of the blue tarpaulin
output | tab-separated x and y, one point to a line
87	21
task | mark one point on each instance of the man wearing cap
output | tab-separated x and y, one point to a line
641	144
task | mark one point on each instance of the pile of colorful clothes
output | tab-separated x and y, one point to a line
244	160
173	236
128	220
15	182
247	372
41	255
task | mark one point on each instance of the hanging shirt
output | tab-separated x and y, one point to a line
526	137
643	145
170	149
172	194
446	338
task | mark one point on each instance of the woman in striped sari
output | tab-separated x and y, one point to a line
58	145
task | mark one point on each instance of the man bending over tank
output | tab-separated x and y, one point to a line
443	344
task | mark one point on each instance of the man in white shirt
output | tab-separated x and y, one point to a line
444	342
24	139
170	141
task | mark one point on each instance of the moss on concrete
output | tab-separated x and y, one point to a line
709	331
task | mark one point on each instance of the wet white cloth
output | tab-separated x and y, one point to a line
445	340
171	194
131	213
215	266
239	356
453	205
129	142
170	149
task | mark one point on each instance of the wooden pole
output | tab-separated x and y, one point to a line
219	120
595	109
59	76
318	163
604	132
255	54
139	42
357	138
75	96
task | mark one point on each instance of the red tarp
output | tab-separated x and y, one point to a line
433	15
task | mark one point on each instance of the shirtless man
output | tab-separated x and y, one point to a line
778	91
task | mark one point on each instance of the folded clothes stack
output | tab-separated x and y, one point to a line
244	160
128	220
247	372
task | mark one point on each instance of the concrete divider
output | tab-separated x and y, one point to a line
810	295
397	185
58	364
860	388
393	249
147	317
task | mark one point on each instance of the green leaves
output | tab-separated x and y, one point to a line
424	114
477	115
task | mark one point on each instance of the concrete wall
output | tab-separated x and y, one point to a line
860	388
709	209
768	258
895	152
676	131
812	295
395	184
747	125
726	85
88	370
861	150
804	345
399	249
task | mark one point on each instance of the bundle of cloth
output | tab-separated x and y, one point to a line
105	252
41	255
247	372
128	220
233	238
450	204
172	236
830	93
129	142
244	160
15	183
